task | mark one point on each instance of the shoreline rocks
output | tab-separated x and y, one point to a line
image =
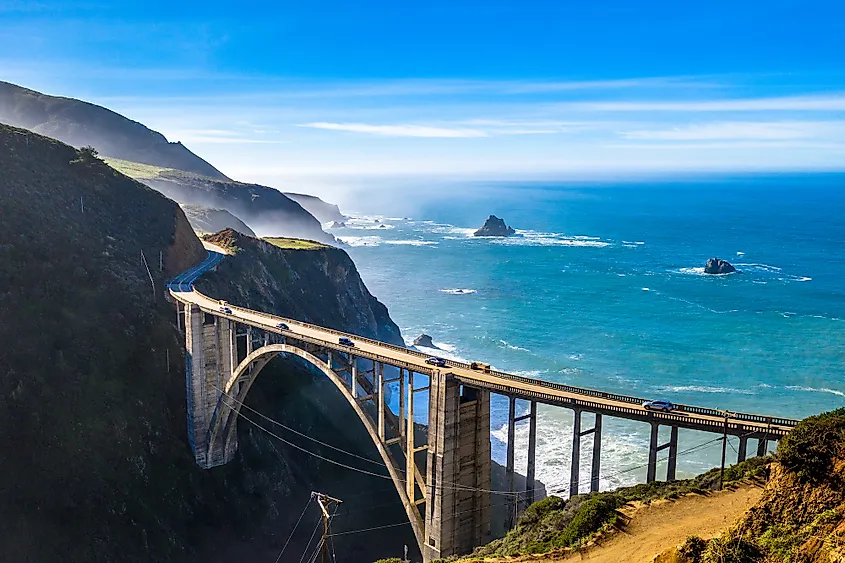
718	266
425	341
494	227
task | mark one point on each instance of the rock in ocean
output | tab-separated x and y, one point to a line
494	227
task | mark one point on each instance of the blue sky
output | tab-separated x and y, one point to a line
277	92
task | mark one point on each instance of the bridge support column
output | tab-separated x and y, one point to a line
672	462
458	469
651	473
379	368
574	475
353	362
211	358
743	449
596	468
510	521
532	448
401	403
762	447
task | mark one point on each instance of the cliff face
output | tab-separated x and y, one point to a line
301	284
81	123
96	465
323	211
207	220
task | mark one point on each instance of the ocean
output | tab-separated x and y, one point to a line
603	287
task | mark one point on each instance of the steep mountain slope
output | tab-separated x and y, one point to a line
96	464
208	220
265	210
81	123
323	211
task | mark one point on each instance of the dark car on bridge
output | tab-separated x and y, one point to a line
226	310
283	326
659	405
345	341
435	361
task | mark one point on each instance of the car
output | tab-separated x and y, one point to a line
480	366
435	361
345	341
226	310
659	405
283	326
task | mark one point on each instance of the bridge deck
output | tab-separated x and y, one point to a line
612	404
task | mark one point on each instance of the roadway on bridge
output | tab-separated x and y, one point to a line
508	384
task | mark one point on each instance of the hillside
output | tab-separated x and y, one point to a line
81	123
97	467
323	211
264	210
207	220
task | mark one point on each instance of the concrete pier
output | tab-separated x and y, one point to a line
458	477
575	468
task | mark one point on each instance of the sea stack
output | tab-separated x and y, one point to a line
424	340
494	227
717	266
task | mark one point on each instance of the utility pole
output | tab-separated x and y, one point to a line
323	501
724	448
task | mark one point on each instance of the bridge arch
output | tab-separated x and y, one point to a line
222	432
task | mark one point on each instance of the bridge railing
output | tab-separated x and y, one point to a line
586	392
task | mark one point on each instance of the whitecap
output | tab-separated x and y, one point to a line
696	271
738	253
361	241
703	389
512	347
816	390
637	242
576	357
646	289
458	291
804	279
411	242
767	267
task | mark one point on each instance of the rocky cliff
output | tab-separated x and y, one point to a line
208	220
265	210
81	123
96	465
323	211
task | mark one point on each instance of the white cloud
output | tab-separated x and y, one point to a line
398	130
742	130
833	102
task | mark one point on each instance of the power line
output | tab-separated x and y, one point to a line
307	504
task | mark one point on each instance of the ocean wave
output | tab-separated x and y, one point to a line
816	390
636	242
507	344
411	242
458	291
361	241
703	389
576	357
570	371
696	271
646	289
532	238
738	253
766	267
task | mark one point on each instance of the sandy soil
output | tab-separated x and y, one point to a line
661	525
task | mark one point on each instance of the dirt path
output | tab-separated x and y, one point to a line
661	525
665	524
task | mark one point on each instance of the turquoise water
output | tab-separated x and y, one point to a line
604	288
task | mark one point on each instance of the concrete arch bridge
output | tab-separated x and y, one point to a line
443	478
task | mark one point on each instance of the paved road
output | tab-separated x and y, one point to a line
612	404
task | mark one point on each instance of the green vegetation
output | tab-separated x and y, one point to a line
135	169
554	523
811	448
802	515
295	243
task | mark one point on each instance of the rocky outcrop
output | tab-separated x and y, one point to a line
207	220
425	341
494	227
323	211
718	266
337	225
81	123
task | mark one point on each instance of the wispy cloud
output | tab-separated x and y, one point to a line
398	130
742	130
831	102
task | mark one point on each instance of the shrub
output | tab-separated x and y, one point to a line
593	514
730	549
811	447
692	550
